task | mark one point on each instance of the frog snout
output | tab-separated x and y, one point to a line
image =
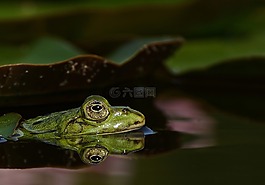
139	117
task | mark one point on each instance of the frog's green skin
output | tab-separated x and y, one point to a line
95	116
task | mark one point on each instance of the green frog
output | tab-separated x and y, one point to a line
95	117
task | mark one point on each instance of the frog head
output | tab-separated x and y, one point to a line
97	116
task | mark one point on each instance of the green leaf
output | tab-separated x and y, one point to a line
127	50
205	53
49	50
43	51
8	123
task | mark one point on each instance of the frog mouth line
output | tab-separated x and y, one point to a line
137	125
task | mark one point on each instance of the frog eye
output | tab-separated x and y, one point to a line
96	111
94	155
96	108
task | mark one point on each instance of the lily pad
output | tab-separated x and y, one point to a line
199	54
42	51
48	50
29	84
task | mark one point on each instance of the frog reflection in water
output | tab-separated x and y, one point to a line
76	129
94	149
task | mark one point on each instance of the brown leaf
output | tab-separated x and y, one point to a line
19	83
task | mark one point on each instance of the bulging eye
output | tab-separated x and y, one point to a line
96	108
96	111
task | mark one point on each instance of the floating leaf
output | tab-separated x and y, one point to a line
199	54
21	82
43	51
127	50
47	50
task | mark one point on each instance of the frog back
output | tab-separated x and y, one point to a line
54	122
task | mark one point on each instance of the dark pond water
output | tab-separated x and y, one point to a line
198	141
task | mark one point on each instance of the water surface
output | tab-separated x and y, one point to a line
195	143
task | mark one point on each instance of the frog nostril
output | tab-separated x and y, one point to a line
125	110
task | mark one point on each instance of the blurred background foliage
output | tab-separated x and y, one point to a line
224	37
46	31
